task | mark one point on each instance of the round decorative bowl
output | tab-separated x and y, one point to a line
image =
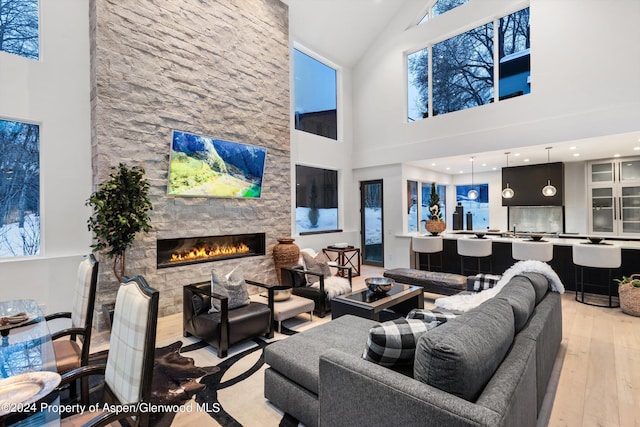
379	284
480	235
535	237
595	240
282	295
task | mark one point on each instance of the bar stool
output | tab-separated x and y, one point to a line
523	250
426	245
596	256
474	247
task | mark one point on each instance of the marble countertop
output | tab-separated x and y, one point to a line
561	240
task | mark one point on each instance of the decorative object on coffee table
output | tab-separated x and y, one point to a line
379	284
629	292
285	254
435	224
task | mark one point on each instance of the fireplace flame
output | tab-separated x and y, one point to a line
207	252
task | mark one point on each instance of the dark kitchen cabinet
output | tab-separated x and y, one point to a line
527	183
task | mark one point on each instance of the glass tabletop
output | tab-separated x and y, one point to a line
25	346
367	296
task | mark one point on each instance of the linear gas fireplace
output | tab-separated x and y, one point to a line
191	250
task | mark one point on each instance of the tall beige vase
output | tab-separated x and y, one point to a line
285	254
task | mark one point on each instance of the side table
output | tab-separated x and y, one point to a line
348	257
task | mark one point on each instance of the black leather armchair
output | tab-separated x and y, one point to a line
227	327
295	277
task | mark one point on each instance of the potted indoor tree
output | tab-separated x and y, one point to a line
120	211
435	224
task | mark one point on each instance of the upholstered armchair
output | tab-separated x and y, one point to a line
317	279
227	326
129	368
71	345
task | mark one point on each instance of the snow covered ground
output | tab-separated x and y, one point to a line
11	238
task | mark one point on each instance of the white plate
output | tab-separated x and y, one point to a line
26	388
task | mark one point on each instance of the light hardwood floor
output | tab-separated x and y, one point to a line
599	380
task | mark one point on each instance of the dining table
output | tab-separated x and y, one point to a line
28	376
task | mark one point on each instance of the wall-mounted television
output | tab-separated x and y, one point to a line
201	166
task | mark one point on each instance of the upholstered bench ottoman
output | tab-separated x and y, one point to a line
432	281
291	307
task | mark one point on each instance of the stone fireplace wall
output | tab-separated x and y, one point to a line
215	68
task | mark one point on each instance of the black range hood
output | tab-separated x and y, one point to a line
527	183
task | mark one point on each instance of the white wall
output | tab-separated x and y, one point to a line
584	83
313	150
54	92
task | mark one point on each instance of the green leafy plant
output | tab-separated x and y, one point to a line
435	214
629	280
120	209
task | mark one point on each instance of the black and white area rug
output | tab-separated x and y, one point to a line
195	387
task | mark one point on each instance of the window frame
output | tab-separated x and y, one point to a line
428	47
339	92
299	205
40	247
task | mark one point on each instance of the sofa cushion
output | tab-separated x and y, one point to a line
317	264
460	356
393	343
231	285
485	281
440	316
297	357
198	304
522	298
540	284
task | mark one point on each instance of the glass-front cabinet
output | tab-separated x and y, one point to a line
614	197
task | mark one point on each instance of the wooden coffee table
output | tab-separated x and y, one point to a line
400	300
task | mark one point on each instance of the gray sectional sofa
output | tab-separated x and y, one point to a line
488	367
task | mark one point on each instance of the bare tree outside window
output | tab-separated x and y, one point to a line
19	28
19	189
463	68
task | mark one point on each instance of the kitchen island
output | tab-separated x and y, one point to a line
562	261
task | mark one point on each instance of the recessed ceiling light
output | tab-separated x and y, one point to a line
576	154
572	148
433	164
495	169
448	168
484	164
616	155
461	171
636	148
517	154
525	160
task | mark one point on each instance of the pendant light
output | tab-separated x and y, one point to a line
473	193
507	192
548	190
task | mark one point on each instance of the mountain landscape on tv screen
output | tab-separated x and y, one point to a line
209	167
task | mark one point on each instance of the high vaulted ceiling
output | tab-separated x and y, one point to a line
343	30
340	30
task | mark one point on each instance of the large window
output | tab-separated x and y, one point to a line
440	7
316	200
19	189
513	51
441	190
315	96
462	68
19	27
412	206
479	207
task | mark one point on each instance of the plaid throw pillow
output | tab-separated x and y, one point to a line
485	281
431	315
393	343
